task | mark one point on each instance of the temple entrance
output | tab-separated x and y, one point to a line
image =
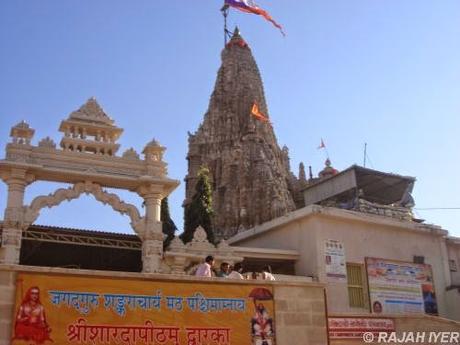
87	161
95	248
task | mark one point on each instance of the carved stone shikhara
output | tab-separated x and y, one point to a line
251	178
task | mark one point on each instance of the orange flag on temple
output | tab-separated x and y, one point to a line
322	145
256	112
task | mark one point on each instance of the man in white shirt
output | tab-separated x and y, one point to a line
236	272
205	269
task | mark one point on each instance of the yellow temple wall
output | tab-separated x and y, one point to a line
299	307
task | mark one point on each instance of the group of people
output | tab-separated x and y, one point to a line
226	270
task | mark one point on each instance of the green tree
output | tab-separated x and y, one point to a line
169	228
199	211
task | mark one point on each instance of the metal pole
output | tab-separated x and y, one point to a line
224	11
365	153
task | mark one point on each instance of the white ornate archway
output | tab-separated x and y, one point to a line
32	212
87	160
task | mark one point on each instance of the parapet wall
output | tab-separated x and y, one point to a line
300	315
299	308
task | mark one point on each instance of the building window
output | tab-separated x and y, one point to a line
453	265
357	292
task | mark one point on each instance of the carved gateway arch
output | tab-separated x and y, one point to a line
32	212
87	159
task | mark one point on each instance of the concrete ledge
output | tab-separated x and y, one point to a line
151	276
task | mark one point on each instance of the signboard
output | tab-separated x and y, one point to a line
336	269
355	327
86	310
400	287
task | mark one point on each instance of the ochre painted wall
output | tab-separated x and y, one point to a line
300	310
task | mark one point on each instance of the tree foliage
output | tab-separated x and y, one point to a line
169	228
199	211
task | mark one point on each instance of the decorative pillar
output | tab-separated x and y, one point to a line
17	180
152	238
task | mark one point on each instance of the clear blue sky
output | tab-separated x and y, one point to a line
382	72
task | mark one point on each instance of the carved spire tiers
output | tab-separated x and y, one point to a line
153	151
250	174
22	133
89	129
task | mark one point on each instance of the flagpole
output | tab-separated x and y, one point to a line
327	153
365	153
323	146
224	11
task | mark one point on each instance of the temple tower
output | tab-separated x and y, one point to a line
250	173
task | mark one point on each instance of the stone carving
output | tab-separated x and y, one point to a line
130	154
223	246
92	111
11	237
251	178
47	143
91	170
22	125
14	218
200	235
90	130
152	251
33	211
177	245
153	151
153	143
200	241
17	157
22	133
10	246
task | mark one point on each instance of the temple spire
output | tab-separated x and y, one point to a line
250	174
302	176
236	33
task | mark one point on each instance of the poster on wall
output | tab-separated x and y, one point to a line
400	287
336	269
63	309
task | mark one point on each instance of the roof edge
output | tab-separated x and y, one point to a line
336	213
358	167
